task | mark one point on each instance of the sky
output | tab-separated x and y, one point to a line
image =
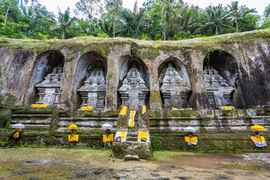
53	5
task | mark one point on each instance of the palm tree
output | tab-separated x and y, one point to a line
216	19
267	11
167	12
133	22
114	8
90	9
188	19
64	20
238	13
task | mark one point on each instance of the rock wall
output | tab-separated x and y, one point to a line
250	50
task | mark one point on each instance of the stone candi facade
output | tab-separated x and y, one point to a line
93	90
133	90
202	73
48	91
174	87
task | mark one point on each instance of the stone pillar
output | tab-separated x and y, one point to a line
195	73
155	98
67	83
114	61
29	88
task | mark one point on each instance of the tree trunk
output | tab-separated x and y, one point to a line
236	26
114	27
6	16
217	30
64	33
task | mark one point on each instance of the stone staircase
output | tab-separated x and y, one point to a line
132	149
37	121
85	123
132	135
33	121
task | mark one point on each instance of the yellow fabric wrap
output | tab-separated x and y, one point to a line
107	138
121	136
39	106
16	135
73	138
191	140
259	141
131	122
143	136
87	108
143	109
123	111
257	127
72	126
228	108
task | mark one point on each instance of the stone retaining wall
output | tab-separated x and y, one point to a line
222	135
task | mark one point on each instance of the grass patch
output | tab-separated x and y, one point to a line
165	155
20	154
244	166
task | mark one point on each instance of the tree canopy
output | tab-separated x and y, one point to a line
156	19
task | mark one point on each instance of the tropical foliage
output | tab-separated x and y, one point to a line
156	19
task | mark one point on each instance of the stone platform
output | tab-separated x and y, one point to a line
128	149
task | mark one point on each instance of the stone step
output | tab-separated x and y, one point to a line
129	157
65	129
132	133
88	119
30	115
37	127
27	121
96	124
133	139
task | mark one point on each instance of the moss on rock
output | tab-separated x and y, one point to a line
5	117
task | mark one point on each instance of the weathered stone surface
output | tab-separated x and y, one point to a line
250	52
132	157
142	150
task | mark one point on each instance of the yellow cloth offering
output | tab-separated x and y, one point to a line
39	106
72	126
257	127
143	136
87	108
258	140
191	140
121	136
123	111
16	135
131	122
228	108
73	138
143	109
107	138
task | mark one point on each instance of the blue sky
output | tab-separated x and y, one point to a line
53	5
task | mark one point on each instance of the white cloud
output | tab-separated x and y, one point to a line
130	3
259	5
53	5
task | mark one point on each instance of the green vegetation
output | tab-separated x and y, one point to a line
98	114
208	143
182	113
28	109
5	117
156	20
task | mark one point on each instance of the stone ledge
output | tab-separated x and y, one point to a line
142	150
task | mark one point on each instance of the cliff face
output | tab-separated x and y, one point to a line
21	63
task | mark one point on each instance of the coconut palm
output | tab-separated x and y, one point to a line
238	13
64	20
216	19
